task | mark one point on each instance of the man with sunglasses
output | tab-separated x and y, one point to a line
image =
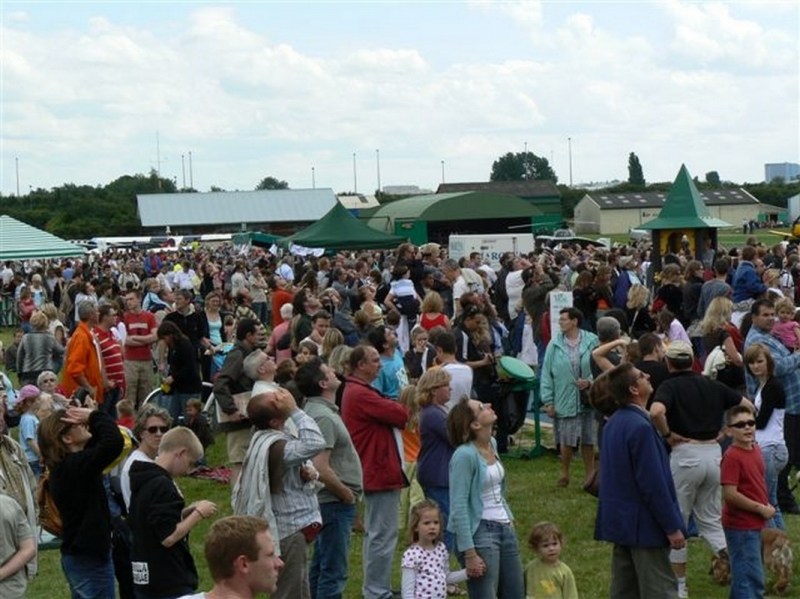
687	410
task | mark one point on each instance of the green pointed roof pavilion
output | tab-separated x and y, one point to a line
684	208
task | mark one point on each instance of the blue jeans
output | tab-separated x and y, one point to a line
747	572
175	404
775	459
89	577
497	545
441	495
327	575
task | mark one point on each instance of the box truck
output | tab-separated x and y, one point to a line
491	246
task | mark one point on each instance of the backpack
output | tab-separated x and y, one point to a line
49	516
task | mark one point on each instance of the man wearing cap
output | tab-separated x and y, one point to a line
626	279
688	411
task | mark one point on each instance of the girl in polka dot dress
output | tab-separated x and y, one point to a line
426	563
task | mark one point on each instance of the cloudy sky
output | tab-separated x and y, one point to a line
253	89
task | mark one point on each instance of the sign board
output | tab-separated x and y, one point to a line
558	301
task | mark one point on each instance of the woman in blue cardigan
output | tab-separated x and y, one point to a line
480	518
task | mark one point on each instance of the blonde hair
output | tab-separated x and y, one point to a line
432	302
784	304
428	383
408	398
416	516
638	295
39	321
181	437
717	315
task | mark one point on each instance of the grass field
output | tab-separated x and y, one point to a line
533	497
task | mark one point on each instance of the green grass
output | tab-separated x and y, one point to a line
533	496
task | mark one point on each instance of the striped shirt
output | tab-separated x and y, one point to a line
296	506
111	352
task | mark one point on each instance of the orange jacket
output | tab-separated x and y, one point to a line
83	357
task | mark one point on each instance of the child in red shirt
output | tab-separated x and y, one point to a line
746	504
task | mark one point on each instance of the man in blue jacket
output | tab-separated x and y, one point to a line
638	509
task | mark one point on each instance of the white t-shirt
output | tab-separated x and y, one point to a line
460	383
514	287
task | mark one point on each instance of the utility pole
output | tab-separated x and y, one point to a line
569	141
442	171
183	170
158	161
313	179
378	158
191	176
355	175
16	161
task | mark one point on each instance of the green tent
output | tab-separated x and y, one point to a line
258	238
20	241
340	230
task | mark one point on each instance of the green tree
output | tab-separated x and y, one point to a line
635	174
272	183
712	178
522	166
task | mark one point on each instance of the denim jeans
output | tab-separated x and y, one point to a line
441	495
89	577
775	459
328	572
175	403
747	572
496	543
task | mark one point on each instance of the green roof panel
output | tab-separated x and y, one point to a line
21	241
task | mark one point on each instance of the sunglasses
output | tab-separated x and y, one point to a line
157	429
743	423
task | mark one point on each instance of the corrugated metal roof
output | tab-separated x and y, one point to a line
523	189
656	199
20	241
233	207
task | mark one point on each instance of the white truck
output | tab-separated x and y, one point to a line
490	246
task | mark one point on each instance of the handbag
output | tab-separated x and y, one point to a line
49	516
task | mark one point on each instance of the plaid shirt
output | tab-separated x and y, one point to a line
787	368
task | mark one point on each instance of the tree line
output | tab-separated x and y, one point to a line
81	211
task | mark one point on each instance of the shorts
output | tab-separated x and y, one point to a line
237	443
576	430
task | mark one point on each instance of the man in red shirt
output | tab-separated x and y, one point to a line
113	365
280	295
140	337
375	422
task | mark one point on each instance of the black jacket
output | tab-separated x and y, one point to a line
77	487
155	511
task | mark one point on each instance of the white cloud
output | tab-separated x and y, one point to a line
84	104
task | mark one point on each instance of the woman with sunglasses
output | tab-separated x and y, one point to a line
770	403
480	518
77	445
151	424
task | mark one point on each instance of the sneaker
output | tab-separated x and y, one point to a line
683	591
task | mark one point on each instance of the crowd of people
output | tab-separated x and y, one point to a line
372	379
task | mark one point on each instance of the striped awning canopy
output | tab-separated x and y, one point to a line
20	241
